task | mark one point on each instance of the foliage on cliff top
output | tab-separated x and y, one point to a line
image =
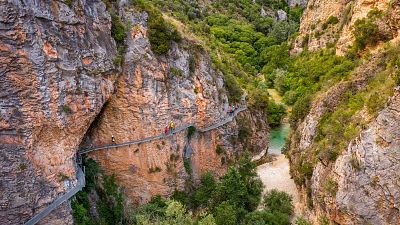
161	33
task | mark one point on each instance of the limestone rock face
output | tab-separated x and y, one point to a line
302	3
317	32
180	86
370	191
56	71
364	178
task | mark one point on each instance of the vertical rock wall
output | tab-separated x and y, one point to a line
56	71
316	31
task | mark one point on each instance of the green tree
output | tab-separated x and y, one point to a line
225	214
277	201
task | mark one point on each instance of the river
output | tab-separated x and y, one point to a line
275	174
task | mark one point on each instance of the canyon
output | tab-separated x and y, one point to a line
69	82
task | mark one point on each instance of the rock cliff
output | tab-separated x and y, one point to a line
327	23
360	185
60	91
56	73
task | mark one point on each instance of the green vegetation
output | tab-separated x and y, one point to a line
330	186
302	221
219	150
275	113
118	29
232	199
191	131
161	32
366	31
62	176
154	169
66	109
187	166
110	199
332	20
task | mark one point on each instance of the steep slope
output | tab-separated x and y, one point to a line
326	23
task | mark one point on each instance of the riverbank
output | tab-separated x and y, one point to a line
274	173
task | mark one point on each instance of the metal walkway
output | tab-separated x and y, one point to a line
60	200
178	129
81	175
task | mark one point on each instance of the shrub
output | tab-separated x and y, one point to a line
332	20
192	65
330	186
219	150
63	177
225	214
366	33
154	169
161	33
275	113
375	103
66	109
181	197
302	221
80	214
277	201
118	29
323	220
187	166
300	110
355	163
191	131
233	88
258	98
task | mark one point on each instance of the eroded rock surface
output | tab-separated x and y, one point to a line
56	71
316	31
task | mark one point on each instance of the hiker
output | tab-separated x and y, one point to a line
171	126
166	130
113	139
230	110
233	110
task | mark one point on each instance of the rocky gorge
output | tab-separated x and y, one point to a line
76	75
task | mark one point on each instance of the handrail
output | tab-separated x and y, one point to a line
152	138
81	175
60	200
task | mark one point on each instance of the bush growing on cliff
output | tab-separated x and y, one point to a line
300	110
366	31
161	33
275	113
118	29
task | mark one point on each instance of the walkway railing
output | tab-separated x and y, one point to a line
60	200
81	175
178	129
